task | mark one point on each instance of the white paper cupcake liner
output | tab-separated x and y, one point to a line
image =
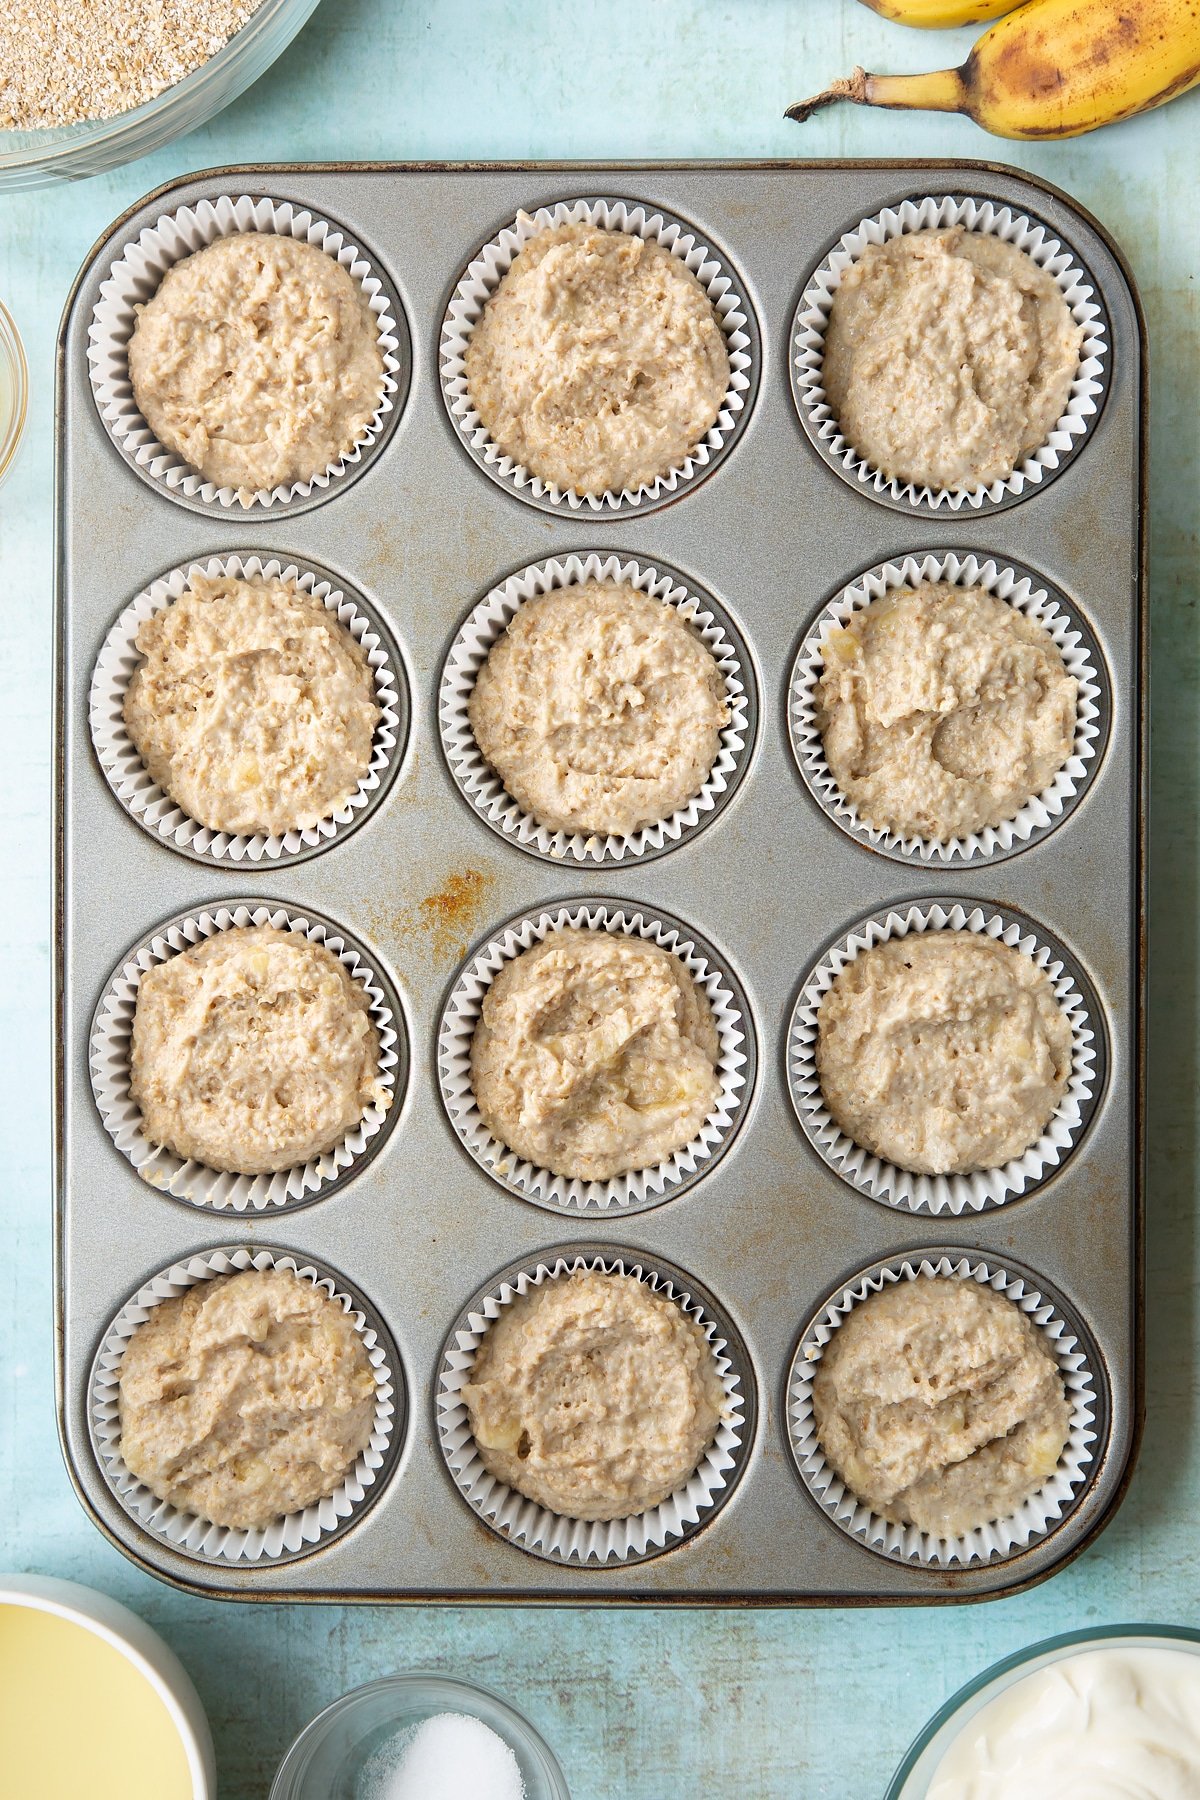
484	789
292	1533
483	275
135	277
590	1543
1023	593
1041	1512
109	1059
639	1189
131	781
982	1188
1078	289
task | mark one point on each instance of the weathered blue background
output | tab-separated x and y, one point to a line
649	1706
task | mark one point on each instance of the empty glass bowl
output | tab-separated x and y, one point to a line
328	1757
66	152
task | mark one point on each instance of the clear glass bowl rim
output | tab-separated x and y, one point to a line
440	1692
1054	1647
100	144
12	352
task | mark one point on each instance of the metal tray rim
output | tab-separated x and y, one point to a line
1140	702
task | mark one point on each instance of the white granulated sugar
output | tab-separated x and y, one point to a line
447	1757
62	61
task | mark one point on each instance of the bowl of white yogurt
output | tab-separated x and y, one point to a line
1091	1715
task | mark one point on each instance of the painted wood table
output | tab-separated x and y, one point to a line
650	1705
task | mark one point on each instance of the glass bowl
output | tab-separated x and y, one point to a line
328	1757
31	159
14	390
911	1780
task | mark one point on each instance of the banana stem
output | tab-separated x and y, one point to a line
853	88
941	91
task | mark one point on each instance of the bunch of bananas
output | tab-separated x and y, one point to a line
1046	68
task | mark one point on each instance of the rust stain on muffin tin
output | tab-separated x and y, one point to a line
444	921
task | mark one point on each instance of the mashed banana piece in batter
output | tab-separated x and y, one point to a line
254	707
949	356
257	361
940	1405
600	708
943	710
594	1396
599	361
248	1396
252	1051
595	1053
943	1051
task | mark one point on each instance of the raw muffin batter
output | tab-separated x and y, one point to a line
254	708
940	1405
594	1396
257	361
252	1051
949	356
943	710
595	1054
600	709
943	1051
599	361
248	1396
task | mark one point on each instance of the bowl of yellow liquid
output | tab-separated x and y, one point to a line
92	1702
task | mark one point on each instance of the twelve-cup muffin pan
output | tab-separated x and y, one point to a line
773	1226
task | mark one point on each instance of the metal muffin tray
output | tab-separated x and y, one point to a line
770	1229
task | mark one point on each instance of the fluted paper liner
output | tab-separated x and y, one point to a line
482	277
109	1058
638	1189
134	279
1039	1514
291	1533
1040	813
535	1528
1077	287
982	1188
483	787
131	781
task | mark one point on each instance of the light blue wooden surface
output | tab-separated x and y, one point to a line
648	1705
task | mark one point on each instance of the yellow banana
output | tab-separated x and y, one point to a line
1052	69
932	15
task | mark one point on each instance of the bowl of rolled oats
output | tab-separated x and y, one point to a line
85	88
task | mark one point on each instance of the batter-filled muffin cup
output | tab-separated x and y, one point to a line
707	286
137	277
483	786
1033	604
358	1426
710	1077
1076	395
1045	987
164	817
544	1315
119	1068
976	1381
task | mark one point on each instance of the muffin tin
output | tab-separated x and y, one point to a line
769	883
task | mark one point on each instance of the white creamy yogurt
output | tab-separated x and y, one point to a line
1119	1724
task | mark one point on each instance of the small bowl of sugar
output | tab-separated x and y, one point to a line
419	1737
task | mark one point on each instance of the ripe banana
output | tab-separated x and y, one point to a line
1052	69
931	15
